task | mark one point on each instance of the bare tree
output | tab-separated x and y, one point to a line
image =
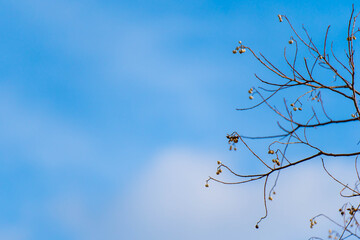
302	78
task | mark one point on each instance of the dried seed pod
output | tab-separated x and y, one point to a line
280	18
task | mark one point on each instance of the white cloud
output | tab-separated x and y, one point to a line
169	201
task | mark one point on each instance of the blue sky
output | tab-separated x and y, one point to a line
115	112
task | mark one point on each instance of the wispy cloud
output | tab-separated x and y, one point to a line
169	201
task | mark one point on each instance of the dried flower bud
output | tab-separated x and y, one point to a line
235	148
292	104
256	226
239	42
242	50
320	57
295	109
230	147
271	152
234	51
354	37
280	18
206	185
353	115
270	198
300	109
291	41
251	97
218	162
